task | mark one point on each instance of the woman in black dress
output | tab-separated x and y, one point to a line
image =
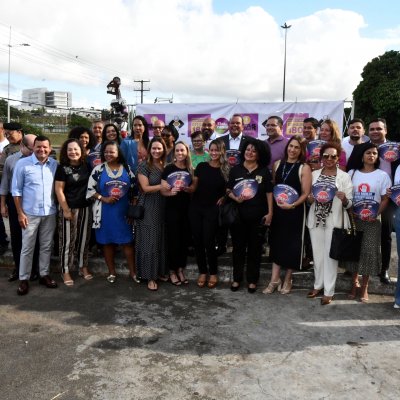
255	210
177	185
288	223
210	179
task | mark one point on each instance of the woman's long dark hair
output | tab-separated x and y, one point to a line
64	160
356	159
103	134
145	136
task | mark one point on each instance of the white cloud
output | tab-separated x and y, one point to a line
185	49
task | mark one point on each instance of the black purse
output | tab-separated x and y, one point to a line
135	211
346	243
228	213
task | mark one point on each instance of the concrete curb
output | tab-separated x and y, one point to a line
303	279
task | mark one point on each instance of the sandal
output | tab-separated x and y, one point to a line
182	277
152	285
174	279
67	282
202	280
111	278
212	282
87	276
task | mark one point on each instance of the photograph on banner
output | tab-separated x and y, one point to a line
195	121
151	119
293	124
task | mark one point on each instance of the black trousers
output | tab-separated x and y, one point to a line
177	238
3	234
247	240
386	235
16	237
204	226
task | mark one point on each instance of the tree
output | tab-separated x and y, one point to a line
378	94
29	128
77	120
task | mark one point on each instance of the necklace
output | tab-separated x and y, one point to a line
112	174
286	174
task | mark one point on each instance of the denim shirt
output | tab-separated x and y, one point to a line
34	182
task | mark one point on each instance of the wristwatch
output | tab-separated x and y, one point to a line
99	197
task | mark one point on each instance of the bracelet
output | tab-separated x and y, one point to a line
293	205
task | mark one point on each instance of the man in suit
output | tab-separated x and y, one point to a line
234	139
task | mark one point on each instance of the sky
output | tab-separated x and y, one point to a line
194	51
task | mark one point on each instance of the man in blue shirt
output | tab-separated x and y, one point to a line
33	193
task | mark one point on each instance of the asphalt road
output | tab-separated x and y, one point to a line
102	341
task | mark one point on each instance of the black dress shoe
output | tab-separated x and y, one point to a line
13	276
23	288
385	278
48	282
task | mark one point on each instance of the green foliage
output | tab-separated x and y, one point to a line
29	128
77	120
378	94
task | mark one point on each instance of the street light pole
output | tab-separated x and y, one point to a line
285	26
9	73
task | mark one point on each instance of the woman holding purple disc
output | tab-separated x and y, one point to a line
369	200
287	245
325	214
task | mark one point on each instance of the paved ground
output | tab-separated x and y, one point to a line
102	341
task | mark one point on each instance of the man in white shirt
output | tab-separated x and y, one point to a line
356	132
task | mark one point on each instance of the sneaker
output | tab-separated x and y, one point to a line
396	305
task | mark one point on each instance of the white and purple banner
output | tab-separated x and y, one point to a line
188	118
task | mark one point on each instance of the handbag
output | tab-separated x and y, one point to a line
228	213
135	211
346	243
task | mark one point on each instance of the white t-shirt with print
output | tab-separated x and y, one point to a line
369	185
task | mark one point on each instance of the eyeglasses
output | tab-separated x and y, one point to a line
157	127
329	156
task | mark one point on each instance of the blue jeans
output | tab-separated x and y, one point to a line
397	229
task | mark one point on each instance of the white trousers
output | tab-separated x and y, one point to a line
325	268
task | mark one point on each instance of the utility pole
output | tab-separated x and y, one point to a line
141	90
285	26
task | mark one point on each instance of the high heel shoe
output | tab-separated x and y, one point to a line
354	291
235	286
67	282
272	286
212	282
287	287
202	280
85	274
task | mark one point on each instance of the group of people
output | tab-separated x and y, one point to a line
180	192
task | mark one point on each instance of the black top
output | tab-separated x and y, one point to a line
76	180
255	208
182	199
211	185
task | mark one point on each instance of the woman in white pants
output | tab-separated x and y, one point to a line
326	215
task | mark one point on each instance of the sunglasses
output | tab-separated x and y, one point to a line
329	156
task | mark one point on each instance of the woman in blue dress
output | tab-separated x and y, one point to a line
111	185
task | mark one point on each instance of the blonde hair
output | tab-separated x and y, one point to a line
188	160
